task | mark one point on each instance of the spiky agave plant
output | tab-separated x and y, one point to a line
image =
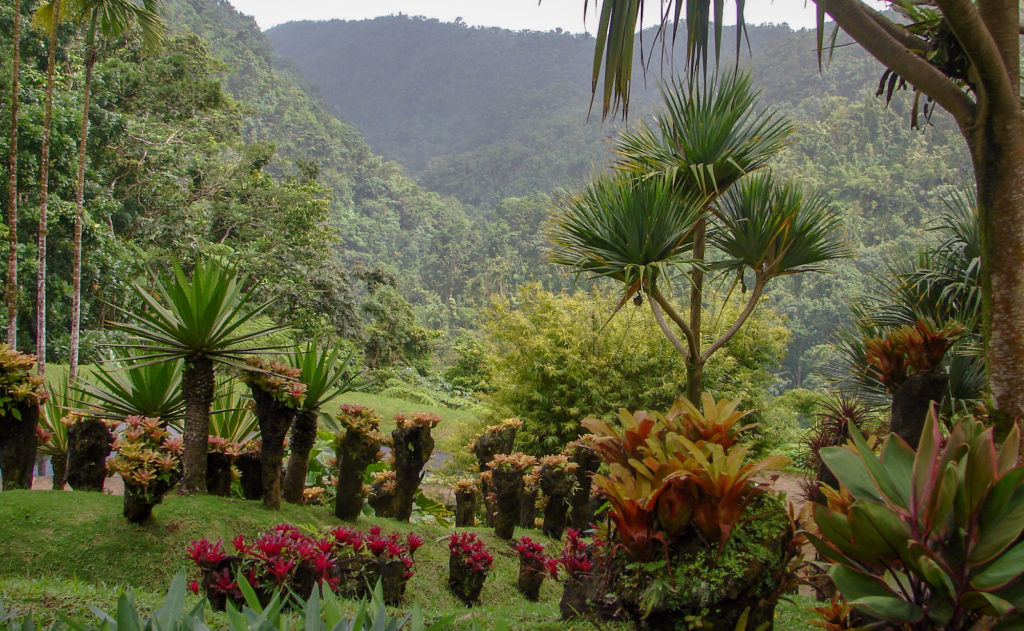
327	373
126	387
199	319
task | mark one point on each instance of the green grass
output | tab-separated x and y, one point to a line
64	551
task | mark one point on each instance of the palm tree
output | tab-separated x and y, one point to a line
327	376
48	17
108	19
649	223
199	320
12	185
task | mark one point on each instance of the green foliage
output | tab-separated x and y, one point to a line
18	386
927	540
126	387
555	359
231	415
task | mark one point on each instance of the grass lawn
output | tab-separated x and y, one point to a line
64	551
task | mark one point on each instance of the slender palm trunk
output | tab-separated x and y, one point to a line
12	187
44	188
91	54
197	390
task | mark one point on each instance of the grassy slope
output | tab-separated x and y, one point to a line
65	551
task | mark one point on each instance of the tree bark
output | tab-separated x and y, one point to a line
76	263
911	402
44	188
12	187
303	437
59	464
275	419
197	390
695	367
89	443
18	444
694	380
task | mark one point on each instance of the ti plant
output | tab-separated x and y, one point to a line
927	540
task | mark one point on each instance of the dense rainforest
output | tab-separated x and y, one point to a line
262	149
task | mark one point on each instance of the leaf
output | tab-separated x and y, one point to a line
851	470
1006	568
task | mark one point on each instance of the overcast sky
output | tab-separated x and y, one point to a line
511	14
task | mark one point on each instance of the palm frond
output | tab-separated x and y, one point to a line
326	373
231	417
126	387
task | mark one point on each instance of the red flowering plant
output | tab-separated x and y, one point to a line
579	558
149	461
534	564
469	562
372	556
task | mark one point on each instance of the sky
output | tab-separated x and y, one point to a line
510	14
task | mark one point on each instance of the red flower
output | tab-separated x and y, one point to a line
414	541
193	587
239	543
205	554
224	584
279	569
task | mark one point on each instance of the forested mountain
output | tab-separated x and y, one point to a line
484	113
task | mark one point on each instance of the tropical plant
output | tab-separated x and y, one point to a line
327	375
673	196
59	401
469	562
412	445
961	55
927	539
105	19
355	450
21	394
277	396
231	416
196	319
133	387
149	461
534	565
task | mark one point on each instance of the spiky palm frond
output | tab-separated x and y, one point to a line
201	315
231	416
57	405
133	387
326	373
776	229
710	134
621	227
113	18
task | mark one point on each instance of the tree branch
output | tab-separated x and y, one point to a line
900	34
858	24
680	322
660	318
755	296
1002	21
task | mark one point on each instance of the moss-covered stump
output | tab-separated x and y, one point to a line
496	439
356	449
507	471
18	442
301	443
250	472
556	481
275	418
581	512
139	500
412	446
381	496
528	507
708	590
911	401
466	494
218	473
59	463
89	443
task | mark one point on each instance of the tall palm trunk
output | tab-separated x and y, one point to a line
91	54
44	188
12	187
197	390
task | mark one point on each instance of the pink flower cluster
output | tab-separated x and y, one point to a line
578	555
471	550
378	546
532	555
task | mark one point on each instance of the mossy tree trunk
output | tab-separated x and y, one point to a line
413	445
250	469
556	484
355	453
275	418
89	443
528	508
508	489
465	509
218	474
911	402
59	464
581	515
302	439
197	384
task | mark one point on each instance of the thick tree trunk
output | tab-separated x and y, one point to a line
354	453
694	381
250	471
412	448
44	188
275	419
218	474
12	187
76	261
197	390
580	513
59	464
997	150
465	509
911	402
303	437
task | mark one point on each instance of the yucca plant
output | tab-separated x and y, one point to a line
198	319
327	374
127	387
61	400
930	539
672	196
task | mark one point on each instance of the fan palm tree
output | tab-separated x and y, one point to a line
199	320
327	375
105	19
12	185
634	231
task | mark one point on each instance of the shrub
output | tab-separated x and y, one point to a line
149	461
534	565
21	393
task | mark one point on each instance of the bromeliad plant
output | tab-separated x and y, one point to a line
579	561
557	474
469	562
534	565
927	540
679	486
149	461
21	394
466	493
